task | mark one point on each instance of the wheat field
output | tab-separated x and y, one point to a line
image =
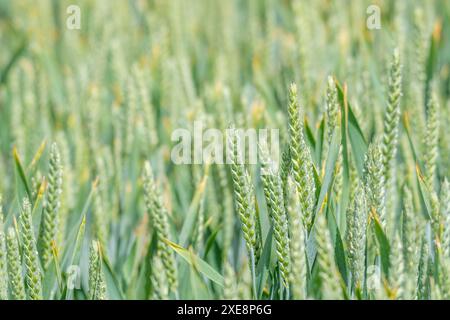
93	204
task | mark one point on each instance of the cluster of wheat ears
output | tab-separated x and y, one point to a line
92	207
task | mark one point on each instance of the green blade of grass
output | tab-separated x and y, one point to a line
263	266
352	130
192	259
383	243
329	170
191	216
22	176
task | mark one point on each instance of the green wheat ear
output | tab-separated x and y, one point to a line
302	165
229	285
332	108
273	194
391	123
285	170
99	209
50	219
97	285
332	118
416	106
431	141
374	181
445	214
33	276
160	288
392	115
331	114
159	215
227	209
146	107
410	233
3	259
297	241
444	287
397	277
444	139
16	283
68	188
356	236
244	198
422	270
435	215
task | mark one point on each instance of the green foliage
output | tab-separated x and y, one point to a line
359	205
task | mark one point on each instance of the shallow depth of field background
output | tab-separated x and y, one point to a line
110	94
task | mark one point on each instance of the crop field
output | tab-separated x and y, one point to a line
224	149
